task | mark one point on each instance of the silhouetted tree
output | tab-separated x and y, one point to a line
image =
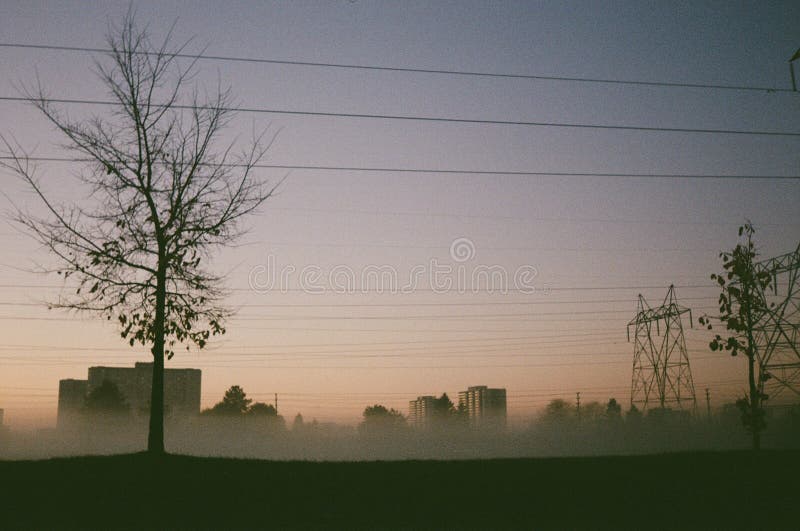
461	415
298	424
163	194
613	410
377	417
260	409
106	398
730	415
741	306
660	416
634	416
592	411
443	408
266	415
234	403
558	410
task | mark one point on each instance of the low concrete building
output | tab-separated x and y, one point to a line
181	390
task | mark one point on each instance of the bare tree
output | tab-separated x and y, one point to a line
162	195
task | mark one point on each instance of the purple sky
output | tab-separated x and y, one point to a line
576	232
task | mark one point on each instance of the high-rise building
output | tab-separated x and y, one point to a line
485	408
181	390
420	411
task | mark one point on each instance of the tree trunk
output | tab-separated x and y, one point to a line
155	439
755	392
755	406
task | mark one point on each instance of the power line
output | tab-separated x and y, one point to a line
421	290
428	345
312	345
437	316
523	173
413	330
438	71
345	245
560	338
368	367
491	345
442	367
399	354
458	304
537	291
253	317
564	338
526	321
555	219
351	400
518	394
437	119
402	304
446	246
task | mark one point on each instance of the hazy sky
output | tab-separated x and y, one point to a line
330	354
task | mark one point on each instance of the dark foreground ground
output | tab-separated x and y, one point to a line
675	491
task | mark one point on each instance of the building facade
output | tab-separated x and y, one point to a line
484	407
421	411
71	397
181	390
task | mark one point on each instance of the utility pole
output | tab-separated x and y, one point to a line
708	403
578	400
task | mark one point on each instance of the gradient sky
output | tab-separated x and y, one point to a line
328	355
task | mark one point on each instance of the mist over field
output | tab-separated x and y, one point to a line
273	440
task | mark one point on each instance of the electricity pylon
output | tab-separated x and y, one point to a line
776	330
661	373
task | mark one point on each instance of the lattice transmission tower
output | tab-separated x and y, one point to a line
776	331
662	376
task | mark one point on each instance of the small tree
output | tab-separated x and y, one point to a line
260	409
613	410
164	194
634	416
592	412
558	410
379	417
265	415
443	408
461	414
741	305
234	403
106	398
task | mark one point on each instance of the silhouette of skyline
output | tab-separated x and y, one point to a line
595	240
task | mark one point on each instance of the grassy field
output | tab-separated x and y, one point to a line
674	491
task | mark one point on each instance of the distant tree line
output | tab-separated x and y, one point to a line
235	404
